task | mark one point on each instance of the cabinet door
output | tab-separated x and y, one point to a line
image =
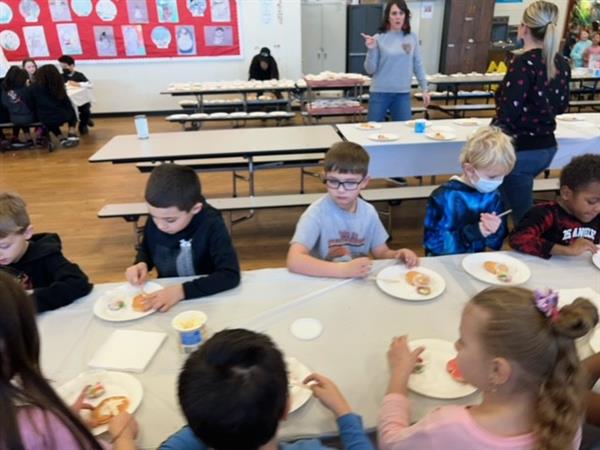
361	19
312	61
333	32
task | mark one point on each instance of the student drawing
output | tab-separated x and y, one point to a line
161	36
220	11
68	37
106	10
35	40
197	8
105	41
9	40
59	10
186	40
30	10
83	8
138	11
167	11
218	36
134	40
6	14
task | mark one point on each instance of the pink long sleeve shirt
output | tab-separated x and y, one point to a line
446	428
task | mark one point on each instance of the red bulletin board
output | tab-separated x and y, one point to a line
119	29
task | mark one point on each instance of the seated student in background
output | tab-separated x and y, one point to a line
336	234
36	260
462	214
76	79
518	349
52	105
184	237
30	67
569	226
244	372
263	66
33	416
16	98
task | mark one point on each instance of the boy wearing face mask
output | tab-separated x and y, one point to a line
462	214
77	79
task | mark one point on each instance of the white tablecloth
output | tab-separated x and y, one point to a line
80	95
416	154
359	320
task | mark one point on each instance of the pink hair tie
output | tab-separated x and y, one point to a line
546	302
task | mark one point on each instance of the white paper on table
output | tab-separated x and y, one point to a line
128	350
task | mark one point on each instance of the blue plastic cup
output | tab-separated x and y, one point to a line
420	126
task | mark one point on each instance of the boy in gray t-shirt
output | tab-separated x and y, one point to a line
336	234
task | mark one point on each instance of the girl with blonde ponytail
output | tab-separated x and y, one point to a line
534	90
517	347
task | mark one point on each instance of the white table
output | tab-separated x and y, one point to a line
80	95
415	154
359	321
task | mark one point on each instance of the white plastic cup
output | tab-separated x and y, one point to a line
191	328
141	126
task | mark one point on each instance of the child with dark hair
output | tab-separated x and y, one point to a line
243	371
33	415
36	260
336	234
77	79
570	225
16	97
184	237
263	66
52	105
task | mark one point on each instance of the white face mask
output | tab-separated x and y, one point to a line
485	185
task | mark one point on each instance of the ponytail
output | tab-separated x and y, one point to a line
540	17
550	49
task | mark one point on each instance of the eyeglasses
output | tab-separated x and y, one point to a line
350	185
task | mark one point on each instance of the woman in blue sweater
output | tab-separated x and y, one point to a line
393	55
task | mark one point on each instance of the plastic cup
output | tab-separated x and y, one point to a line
141	126
191	328
420	125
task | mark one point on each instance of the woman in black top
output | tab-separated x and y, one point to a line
532	93
52	105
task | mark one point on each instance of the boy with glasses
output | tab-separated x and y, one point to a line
336	234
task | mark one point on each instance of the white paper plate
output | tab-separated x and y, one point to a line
384	137
411	123
596	259
115	383
367	126
440	135
570	118
469	122
125	292
401	289
257	114
297	372
473	265
178	117
435	381
306	328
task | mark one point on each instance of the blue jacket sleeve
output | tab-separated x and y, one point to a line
184	439
352	433
495	241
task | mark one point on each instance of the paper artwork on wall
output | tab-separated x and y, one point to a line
35	39
29	10
82	8
138	11
69	39
9	40
104	36
59	10
6	14
133	40
219	11
106	10
186	40
167	11
218	36
161	36
197	8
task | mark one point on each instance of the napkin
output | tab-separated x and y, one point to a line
128	350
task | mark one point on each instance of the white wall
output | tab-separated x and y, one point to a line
135	86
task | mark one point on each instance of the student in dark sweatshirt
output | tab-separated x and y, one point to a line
16	98
36	260
184	236
75	78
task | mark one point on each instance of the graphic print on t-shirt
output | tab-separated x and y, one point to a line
579	233
340	249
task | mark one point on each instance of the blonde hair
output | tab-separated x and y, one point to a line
540	17
489	147
13	214
544	349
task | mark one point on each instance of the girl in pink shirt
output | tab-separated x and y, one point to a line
518	349
33	417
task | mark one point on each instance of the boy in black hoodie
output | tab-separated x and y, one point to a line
36	260
184	236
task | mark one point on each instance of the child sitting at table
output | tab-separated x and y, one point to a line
36	260
462	214
569	226
52	105
517	347
76	79
244	372
184	237
33	415
16	98
336	233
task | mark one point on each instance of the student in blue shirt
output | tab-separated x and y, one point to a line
234	392
462	214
